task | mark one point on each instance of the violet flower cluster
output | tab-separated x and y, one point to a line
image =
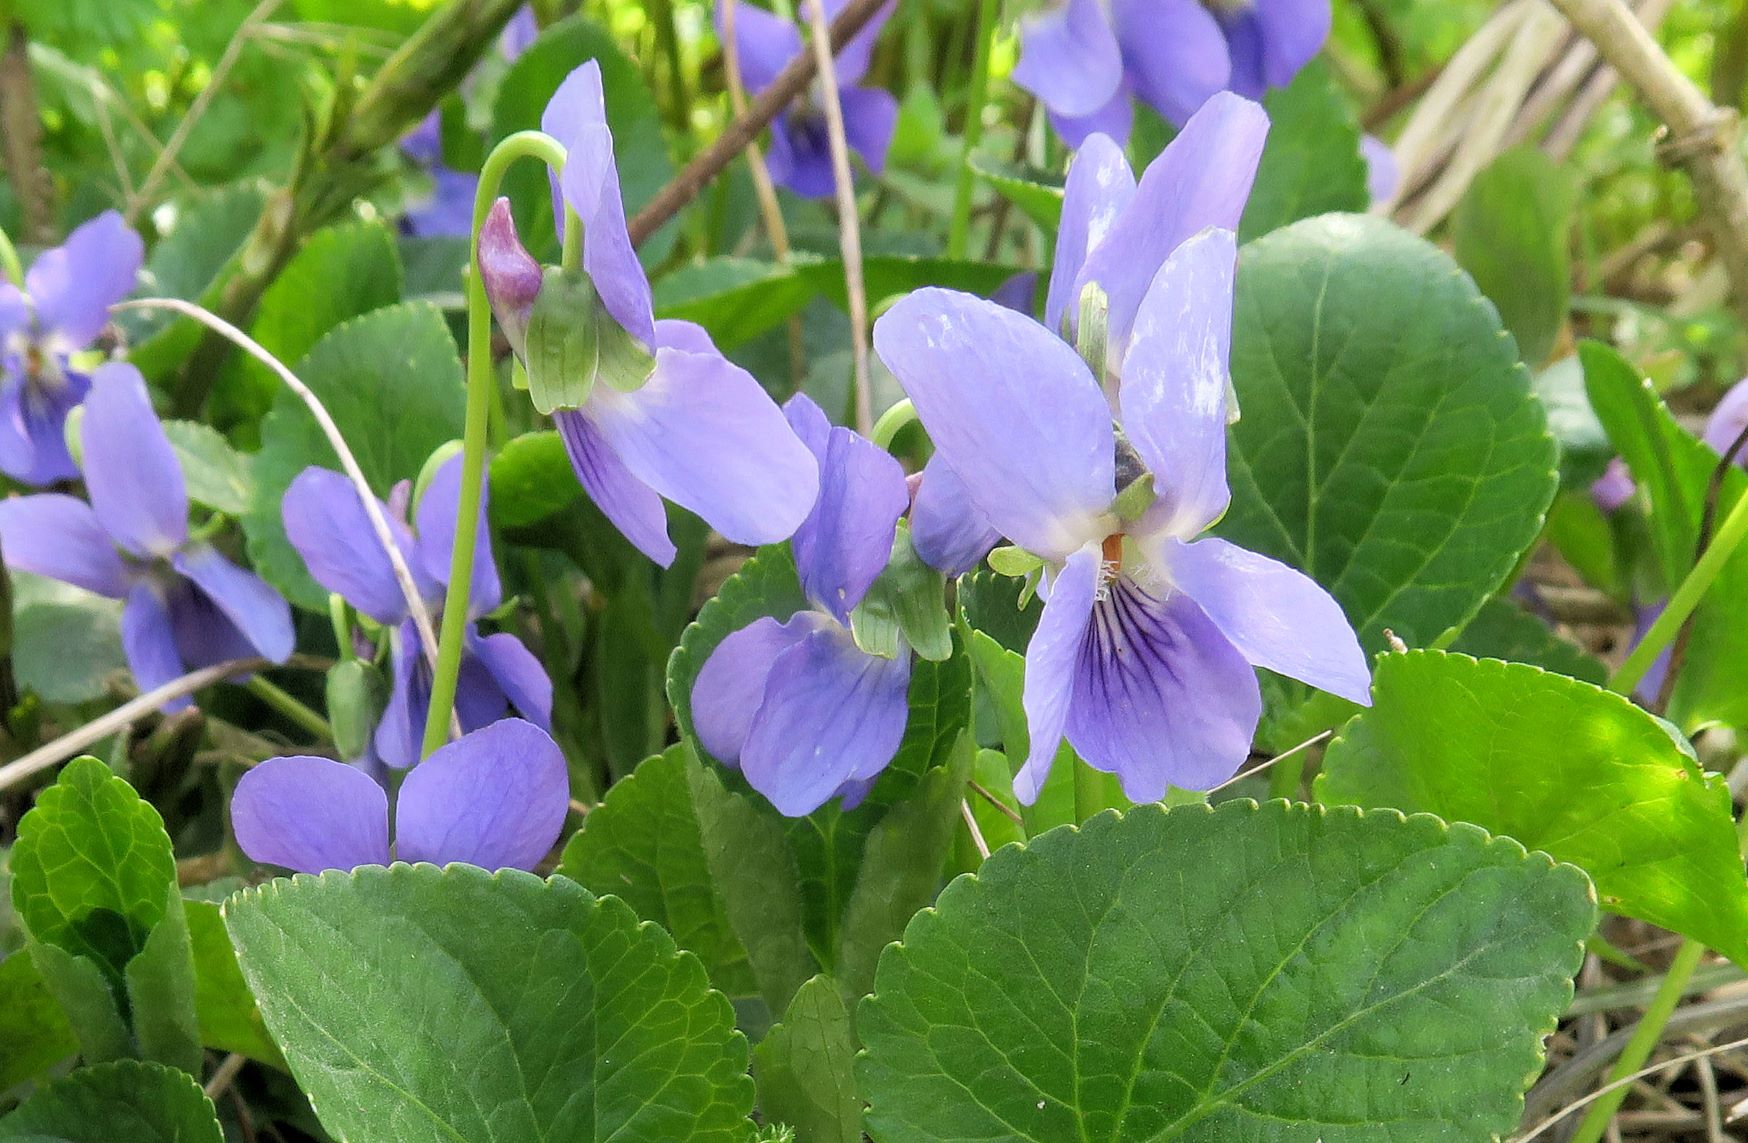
1086	60
62	309
802	710
697	430
496	798
187	606
800	156
1143	658
327	524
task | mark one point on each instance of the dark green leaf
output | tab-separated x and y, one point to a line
1311	163
1561	766
108	1103
734	299
34	1035
66	643
531	478
1503	630
1282	972
1037	194
1509	233
393	384
423	1004
229	1019
805	1068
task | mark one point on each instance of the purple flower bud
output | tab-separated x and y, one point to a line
510	274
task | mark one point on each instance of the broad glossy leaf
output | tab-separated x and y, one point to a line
342	272
1311	163
1561	766
1282	972
1390	446
1675	469
805	1068
531	478
710	866
417	1003
639	145
393	384
217	475
1510	234
122	1100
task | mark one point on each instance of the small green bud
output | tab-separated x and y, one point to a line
573	342
356	697
1016	562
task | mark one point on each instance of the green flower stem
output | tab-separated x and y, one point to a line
480	380
290	707
1662	633
9	263
892	422
340	614
959	232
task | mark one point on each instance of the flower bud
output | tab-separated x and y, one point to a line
510	274
356	699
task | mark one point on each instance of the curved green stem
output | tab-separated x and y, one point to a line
892	422
290	707
9	263
959	233
523	144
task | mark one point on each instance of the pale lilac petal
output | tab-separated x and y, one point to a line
948	532
846	540
59	536
870	117
1245	47
148	639
1201	179
448	211
704	434
1012	410
633	506
1019	293
436	518
1175	53
1728	421
851	62
519	34
831	713
1115	120
1175	380
259	612
1160	697
401	732
519	674
131	472
1100	186
73	285
479	700
800	160
1051	660
310	814
1069	57
731	684
325	521
497	798
1614	487
1293	32
577	118
424	143
674	333
1276	616
764	43
1383	174
14	311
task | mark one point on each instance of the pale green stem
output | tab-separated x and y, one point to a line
892	422
959	232
290	707
340	614
1661	634
9	263
523	144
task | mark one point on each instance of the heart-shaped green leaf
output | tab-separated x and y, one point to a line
123	1100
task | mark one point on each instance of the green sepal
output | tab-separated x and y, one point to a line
910	600
1135	499
572	342
356	696
70	432
1012	561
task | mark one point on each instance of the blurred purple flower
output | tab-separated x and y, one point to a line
800	157
63	307
1143	657
803	711
1383	174
1726	422
495	798
1085	59
186	606
327	524
700	431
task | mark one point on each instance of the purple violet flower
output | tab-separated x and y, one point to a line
701	431
1143	657
800	156
1085	59
495	798
796	705
326	522
63	307
1724	424
447	212
186	605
